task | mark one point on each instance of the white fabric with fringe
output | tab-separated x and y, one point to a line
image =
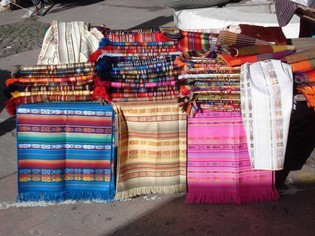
68	42
266	104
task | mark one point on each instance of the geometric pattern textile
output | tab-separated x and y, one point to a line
266	105
65	151
218	166
151	149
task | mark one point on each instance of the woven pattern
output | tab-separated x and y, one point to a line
65	151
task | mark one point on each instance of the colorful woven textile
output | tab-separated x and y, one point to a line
60	70
162	35
300	56
133	60
196	41
218	165
152	149
238	61
266	99
303	66
65	151
237	50
308	90
305	77
227	38
207	83
48	83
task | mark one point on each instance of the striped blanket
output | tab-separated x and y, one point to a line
218	165
152	149
65	151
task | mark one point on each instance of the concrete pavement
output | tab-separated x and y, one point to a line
147	215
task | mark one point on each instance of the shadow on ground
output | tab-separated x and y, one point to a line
4	93
291	215
9	124
68	4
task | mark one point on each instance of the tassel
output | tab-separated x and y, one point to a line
100	94
11	105
100	90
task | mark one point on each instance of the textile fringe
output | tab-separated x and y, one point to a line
66	195
136	192
232	198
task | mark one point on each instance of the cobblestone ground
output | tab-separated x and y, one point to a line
22	36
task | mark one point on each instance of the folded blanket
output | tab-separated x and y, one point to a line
227	38
303	66
300	56
305	77
237	61
239	50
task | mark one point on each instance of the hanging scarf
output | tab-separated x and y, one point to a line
266	98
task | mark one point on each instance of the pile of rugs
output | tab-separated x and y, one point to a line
137	65
48	83
182	116
303	67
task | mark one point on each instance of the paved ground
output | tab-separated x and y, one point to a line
20	42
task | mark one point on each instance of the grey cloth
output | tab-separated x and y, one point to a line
192	4
285	10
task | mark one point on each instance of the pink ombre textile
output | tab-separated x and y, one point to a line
218	168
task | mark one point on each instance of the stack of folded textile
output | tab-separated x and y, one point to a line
47	83
196	40
303	66
218	163
239	49
137	65
207	83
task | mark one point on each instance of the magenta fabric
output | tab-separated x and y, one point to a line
218	167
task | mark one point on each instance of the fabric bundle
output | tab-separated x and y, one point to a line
303	67
66	151
301	55
68	42
196	41
151	148
207	83
227	37
137	65
306	86
48	83
238	49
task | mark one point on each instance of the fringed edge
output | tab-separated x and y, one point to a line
136	192
231	198
210	197
67	195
